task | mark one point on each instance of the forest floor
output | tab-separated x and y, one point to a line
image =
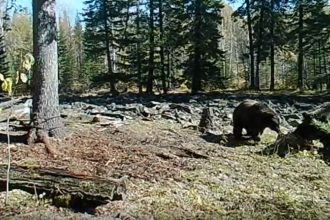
167	182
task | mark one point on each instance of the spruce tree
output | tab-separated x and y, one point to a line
204	55
67	71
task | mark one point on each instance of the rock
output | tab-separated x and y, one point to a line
293	116
294	122
181	107
147	112
169	116
303	106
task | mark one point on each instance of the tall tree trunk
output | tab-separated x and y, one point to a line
301	46
251	46
151	48
139	72
315	86
168	69
259	46
46	114
162	55
231	49
108	46
320	64
197	75
3	49
272	48
223	42
325	68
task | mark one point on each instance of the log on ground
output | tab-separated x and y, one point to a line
315	126
80	191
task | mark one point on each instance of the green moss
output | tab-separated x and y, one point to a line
62	200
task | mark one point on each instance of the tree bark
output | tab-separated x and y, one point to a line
272	49
138	45
260	43
151	48
320	65
162	54
301	47
251	46
46	114
56	182
206	122
108	45
197	70
168	69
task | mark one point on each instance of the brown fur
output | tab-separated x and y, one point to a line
254	117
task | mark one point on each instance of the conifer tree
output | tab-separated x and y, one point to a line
67	71
203	19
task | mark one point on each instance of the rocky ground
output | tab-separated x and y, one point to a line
173	170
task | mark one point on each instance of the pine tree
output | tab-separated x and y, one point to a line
102	33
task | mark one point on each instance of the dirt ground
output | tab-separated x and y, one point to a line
165	181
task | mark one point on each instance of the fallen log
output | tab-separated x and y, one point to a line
315	126
11	102
66	189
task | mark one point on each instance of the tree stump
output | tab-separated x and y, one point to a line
206	122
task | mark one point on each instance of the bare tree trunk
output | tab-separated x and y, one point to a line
251	46
168	69
231	47
162	58
260	42
107	45
46	114
151	48
320	64
315	86
325	67
138	46
223	43
301	47
197	69
3	49
272	49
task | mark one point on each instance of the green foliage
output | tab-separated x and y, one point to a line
202	38
19	40
67	71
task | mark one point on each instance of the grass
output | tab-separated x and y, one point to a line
240	184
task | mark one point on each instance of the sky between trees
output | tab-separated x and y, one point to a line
74	6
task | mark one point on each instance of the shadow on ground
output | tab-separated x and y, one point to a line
227	140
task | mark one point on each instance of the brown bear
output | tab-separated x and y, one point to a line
254	117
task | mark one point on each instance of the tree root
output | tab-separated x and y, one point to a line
35	135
